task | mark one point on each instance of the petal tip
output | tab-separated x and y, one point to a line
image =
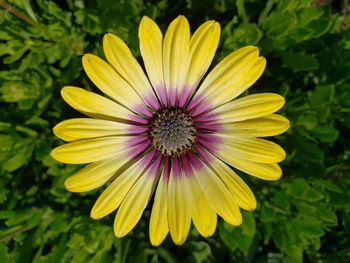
155	243
107	35
67	89
146	19
86	57
253	205
53	154
94	214
178	242
68	185
118	232
156	240
107	38
208	232
287	125
63	91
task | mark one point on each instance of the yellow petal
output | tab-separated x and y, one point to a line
93	104
249	107
179	214
120	57
269	125
110	82
203	215
85	128
151	40
94	175
218	195
266	171
132	207
90	150
233	75
250	148
175	56
158	226
114	194
242	193
203	45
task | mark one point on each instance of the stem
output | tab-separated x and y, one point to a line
15	233
20	14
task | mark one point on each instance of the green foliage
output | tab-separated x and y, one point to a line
302	217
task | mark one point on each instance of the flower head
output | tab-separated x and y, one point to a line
168	134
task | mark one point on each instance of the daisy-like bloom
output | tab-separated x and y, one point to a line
170	134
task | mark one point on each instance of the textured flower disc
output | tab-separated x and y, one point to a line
164	133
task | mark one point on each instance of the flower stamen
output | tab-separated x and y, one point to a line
171	131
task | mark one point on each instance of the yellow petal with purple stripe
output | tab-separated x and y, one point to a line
85	128
250	148
230	77
242	193
115	193
120	57
135	202
151	40
179	214
90	150
249	107
158	226
203	45
268	125
266	171
203	215
94	105
112	84
94	175
216	192
175	57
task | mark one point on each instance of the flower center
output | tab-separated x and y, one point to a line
172	131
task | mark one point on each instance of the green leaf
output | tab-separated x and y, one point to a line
58	251
280	199
297	187
3	253
201	251
15	56
327	184
326	133
320	26
313	195
240	236
321	95
42	151
16	91
339	199
298	61
286	5
20	154
29	10
326	214
305	16
58	13
243	35
307	227
308	119
307	150
277	24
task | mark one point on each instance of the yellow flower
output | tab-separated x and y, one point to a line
168	134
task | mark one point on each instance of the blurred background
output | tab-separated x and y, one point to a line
304	217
